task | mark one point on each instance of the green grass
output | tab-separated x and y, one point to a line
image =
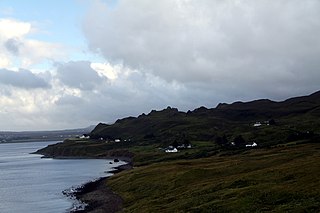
282	179
280	175
85	148
145	155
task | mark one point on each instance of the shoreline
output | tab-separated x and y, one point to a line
128	160
95	196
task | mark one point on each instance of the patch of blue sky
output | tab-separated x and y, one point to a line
58	21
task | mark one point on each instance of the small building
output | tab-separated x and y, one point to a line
173	149
257	124
117	140
254	144
185	146
84	137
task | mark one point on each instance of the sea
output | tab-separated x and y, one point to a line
29	183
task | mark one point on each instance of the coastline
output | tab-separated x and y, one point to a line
96	197
128	160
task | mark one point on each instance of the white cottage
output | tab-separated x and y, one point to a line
257	124
171	150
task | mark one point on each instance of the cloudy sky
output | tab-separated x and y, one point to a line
69	64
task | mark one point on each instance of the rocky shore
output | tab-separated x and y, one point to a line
97	197
94	196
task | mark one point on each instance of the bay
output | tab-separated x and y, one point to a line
29	183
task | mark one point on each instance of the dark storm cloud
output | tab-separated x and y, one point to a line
22	79
243	49
79	74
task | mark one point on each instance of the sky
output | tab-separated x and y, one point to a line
71	64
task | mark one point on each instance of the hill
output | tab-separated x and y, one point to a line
228	127
216	167
289	117
282	179
32	136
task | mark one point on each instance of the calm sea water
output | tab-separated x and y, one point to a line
31	184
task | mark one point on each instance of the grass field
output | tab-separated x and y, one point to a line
219	174
279	179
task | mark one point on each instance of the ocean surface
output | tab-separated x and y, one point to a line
29	183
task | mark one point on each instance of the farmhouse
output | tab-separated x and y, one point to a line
84	137
257	124
171	149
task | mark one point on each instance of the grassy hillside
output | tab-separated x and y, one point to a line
282	179
219	173
209	131
293	116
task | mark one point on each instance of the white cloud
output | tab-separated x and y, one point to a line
4	61
80	75
10	28
230	46
24	109
79	97
18	50
106	69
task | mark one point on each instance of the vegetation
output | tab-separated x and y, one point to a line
283	179
279	121
219	173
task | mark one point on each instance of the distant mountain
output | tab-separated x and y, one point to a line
165	126
27	136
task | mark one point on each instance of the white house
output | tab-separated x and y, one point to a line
254	144
171	150
257	124
84	137
117	140
185	146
